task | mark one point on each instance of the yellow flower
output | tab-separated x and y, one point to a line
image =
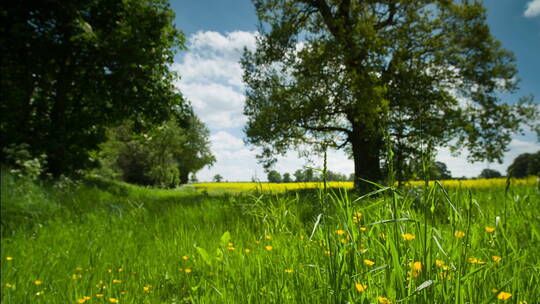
81	300
475	261
117	281
113	300
340	232
416	268
38	282
439	263
187	270
39	293
327	252
247	250
120	269
185	258
99	295
86	298
109	270
8	285
408	236
78	268
9	258
360	287
288	270
369	262
358	213
503	296
268	237
230	244
231	248
363	228
268	247
490	229
496	259
384	300
146	288
459	234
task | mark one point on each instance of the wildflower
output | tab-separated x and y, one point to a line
416	268
496	259
360	287
459	234
78	268
231	248
113	300
289	270
358	214
187	270
120	269
247	250
268	237
230	244
369	262
146	288
503	296
408	236
9	258
38	282
39	293
489	229
363	250
185	258
363	228
109	270
8	285
439	263
117	281
81	300
475	261
99	295
268	247
327	252
383	300
340	232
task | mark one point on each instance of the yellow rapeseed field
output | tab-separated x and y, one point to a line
482	183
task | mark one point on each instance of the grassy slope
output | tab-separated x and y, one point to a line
127	243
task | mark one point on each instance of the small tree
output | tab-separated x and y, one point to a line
490	173
524	165
287	178
218	178
274	177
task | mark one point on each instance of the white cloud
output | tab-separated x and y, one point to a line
211	77
533	9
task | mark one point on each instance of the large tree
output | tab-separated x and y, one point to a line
347	73
69	69
524	165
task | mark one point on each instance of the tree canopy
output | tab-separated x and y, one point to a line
524	165
70	69
348	74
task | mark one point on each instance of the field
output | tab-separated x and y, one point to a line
99	241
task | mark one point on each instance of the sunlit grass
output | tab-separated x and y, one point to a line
106	242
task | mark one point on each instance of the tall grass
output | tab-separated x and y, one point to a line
110	242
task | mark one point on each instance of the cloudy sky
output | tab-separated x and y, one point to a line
211	78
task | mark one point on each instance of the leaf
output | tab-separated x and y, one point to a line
225	239
204	255
424	285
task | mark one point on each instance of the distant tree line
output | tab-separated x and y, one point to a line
524	165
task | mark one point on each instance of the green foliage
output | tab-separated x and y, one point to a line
524	165
274	177
71	69
25	165
164	156
489	173
287	177
342	74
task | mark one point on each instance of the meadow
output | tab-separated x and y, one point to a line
100	241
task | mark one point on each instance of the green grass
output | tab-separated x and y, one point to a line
77	239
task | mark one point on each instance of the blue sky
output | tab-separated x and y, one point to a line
217	31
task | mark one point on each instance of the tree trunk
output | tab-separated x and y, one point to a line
366	150
184	177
